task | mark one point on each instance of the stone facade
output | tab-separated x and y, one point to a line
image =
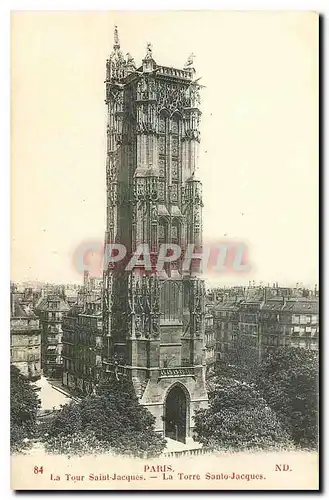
266	322
154	321
25	340
83	344
51	311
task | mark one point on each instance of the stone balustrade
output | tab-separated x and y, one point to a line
179	371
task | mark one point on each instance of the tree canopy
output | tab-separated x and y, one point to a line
24	404
288	380
256	404
241	360
238	418
112	420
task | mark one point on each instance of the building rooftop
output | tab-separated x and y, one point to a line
44	304
302	306
22	311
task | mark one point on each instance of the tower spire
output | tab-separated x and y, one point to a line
149	63
116	44
148	51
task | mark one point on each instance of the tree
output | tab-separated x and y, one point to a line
288	380
238	418
112	420
24	405
241	359
76	443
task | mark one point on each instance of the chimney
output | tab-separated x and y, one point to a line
85	278
12	303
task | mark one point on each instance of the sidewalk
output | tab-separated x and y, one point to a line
57	385
50	397
173	445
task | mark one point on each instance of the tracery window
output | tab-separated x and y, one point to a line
162	159
175	153
175	227
163	229
170	301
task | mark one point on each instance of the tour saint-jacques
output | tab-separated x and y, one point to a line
154	322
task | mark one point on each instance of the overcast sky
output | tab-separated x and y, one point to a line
259	149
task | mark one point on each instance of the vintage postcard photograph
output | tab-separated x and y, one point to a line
164	294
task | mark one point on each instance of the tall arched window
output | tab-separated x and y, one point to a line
162	151
163	231
175	231
175	125
170	301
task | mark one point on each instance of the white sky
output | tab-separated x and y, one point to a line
259	150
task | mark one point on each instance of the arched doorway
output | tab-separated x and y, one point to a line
176	414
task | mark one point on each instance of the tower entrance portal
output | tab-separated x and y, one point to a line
176	414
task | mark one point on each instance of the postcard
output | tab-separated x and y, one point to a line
164	322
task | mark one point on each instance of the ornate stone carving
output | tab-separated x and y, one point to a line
170	97
152	191
142	93
154	294
174	127
173	190
174	169
194	96
152	89
196	306
145	189
162	167
197	221
138	326
175	97
130	63
149	51
161	190
154	213
145	127
110	130
197	195
174	146
112	195
115	65
162	233
162	145
114	96
177	372
162	125
139	189
189	61
192	135
155	327
113	161
174	234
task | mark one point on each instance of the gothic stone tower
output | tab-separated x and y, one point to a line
154	322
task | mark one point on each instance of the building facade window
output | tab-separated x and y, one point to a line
304	319
314	319
295	319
